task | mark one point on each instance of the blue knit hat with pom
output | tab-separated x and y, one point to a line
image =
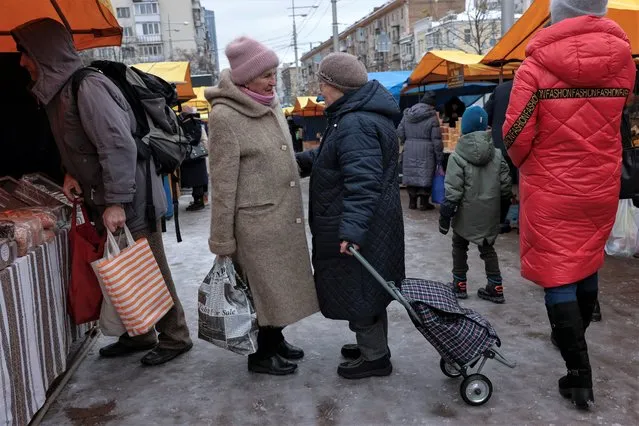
475	119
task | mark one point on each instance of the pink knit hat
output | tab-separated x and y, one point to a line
249	59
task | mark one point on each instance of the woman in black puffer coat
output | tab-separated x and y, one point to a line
354	198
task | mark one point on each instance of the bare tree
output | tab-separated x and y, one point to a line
199	63
479	27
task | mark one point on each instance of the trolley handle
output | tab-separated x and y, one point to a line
389	286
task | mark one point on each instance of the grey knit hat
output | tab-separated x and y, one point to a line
429	98
342	71
565	9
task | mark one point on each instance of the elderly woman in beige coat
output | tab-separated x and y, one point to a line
256	204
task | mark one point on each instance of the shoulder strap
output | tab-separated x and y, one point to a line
77	78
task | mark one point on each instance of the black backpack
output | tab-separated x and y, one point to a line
158	134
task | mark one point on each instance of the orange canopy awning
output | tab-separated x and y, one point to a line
512	46
307	106
90	21
433	68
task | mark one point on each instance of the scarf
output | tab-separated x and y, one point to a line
262	99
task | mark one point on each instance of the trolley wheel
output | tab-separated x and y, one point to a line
448	370
476	389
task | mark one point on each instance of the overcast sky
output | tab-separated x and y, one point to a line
268	22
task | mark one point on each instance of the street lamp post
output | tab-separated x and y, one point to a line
294	15
177	30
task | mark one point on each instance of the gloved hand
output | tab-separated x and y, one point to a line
448	209
444	224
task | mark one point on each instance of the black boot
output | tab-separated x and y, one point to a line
412	202
568	330
267	359
424	204
288	351
274	365
460	288
361	369
493	292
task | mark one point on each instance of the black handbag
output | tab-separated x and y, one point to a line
196	152
629	163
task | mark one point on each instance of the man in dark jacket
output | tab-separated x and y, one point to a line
354	200
94	137
496	108
423	150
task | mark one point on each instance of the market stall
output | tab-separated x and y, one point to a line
436	65
308	112
39	342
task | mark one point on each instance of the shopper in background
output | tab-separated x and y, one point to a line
453	111
193	173
496	108
477	185
295	129
256	200
94	137
562	131
423	150
354	200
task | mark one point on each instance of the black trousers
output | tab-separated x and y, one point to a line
460	257
198	193
268	340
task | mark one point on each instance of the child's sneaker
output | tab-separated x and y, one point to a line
459	288
493	292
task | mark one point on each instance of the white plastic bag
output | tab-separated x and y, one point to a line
226	316
623	238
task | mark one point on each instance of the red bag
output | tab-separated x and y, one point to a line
85	295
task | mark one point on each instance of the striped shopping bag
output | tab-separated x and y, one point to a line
133	283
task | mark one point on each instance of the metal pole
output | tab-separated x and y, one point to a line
297	74
170	38
507	15
527	4
335	27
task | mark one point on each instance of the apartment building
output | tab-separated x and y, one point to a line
382	40
465	32
159	30
476	30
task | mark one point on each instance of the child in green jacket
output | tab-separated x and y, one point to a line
478	193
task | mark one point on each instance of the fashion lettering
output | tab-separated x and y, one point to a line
553	94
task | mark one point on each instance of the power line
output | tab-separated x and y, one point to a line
328	5
310	16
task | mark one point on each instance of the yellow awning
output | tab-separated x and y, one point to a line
512	46
307	106
90	21
287	111
200	103
433	68
178	73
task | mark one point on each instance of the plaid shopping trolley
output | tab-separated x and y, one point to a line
463	338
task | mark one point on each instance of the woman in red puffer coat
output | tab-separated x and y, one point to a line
562	132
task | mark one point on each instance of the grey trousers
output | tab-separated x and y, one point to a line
372	336
172	328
